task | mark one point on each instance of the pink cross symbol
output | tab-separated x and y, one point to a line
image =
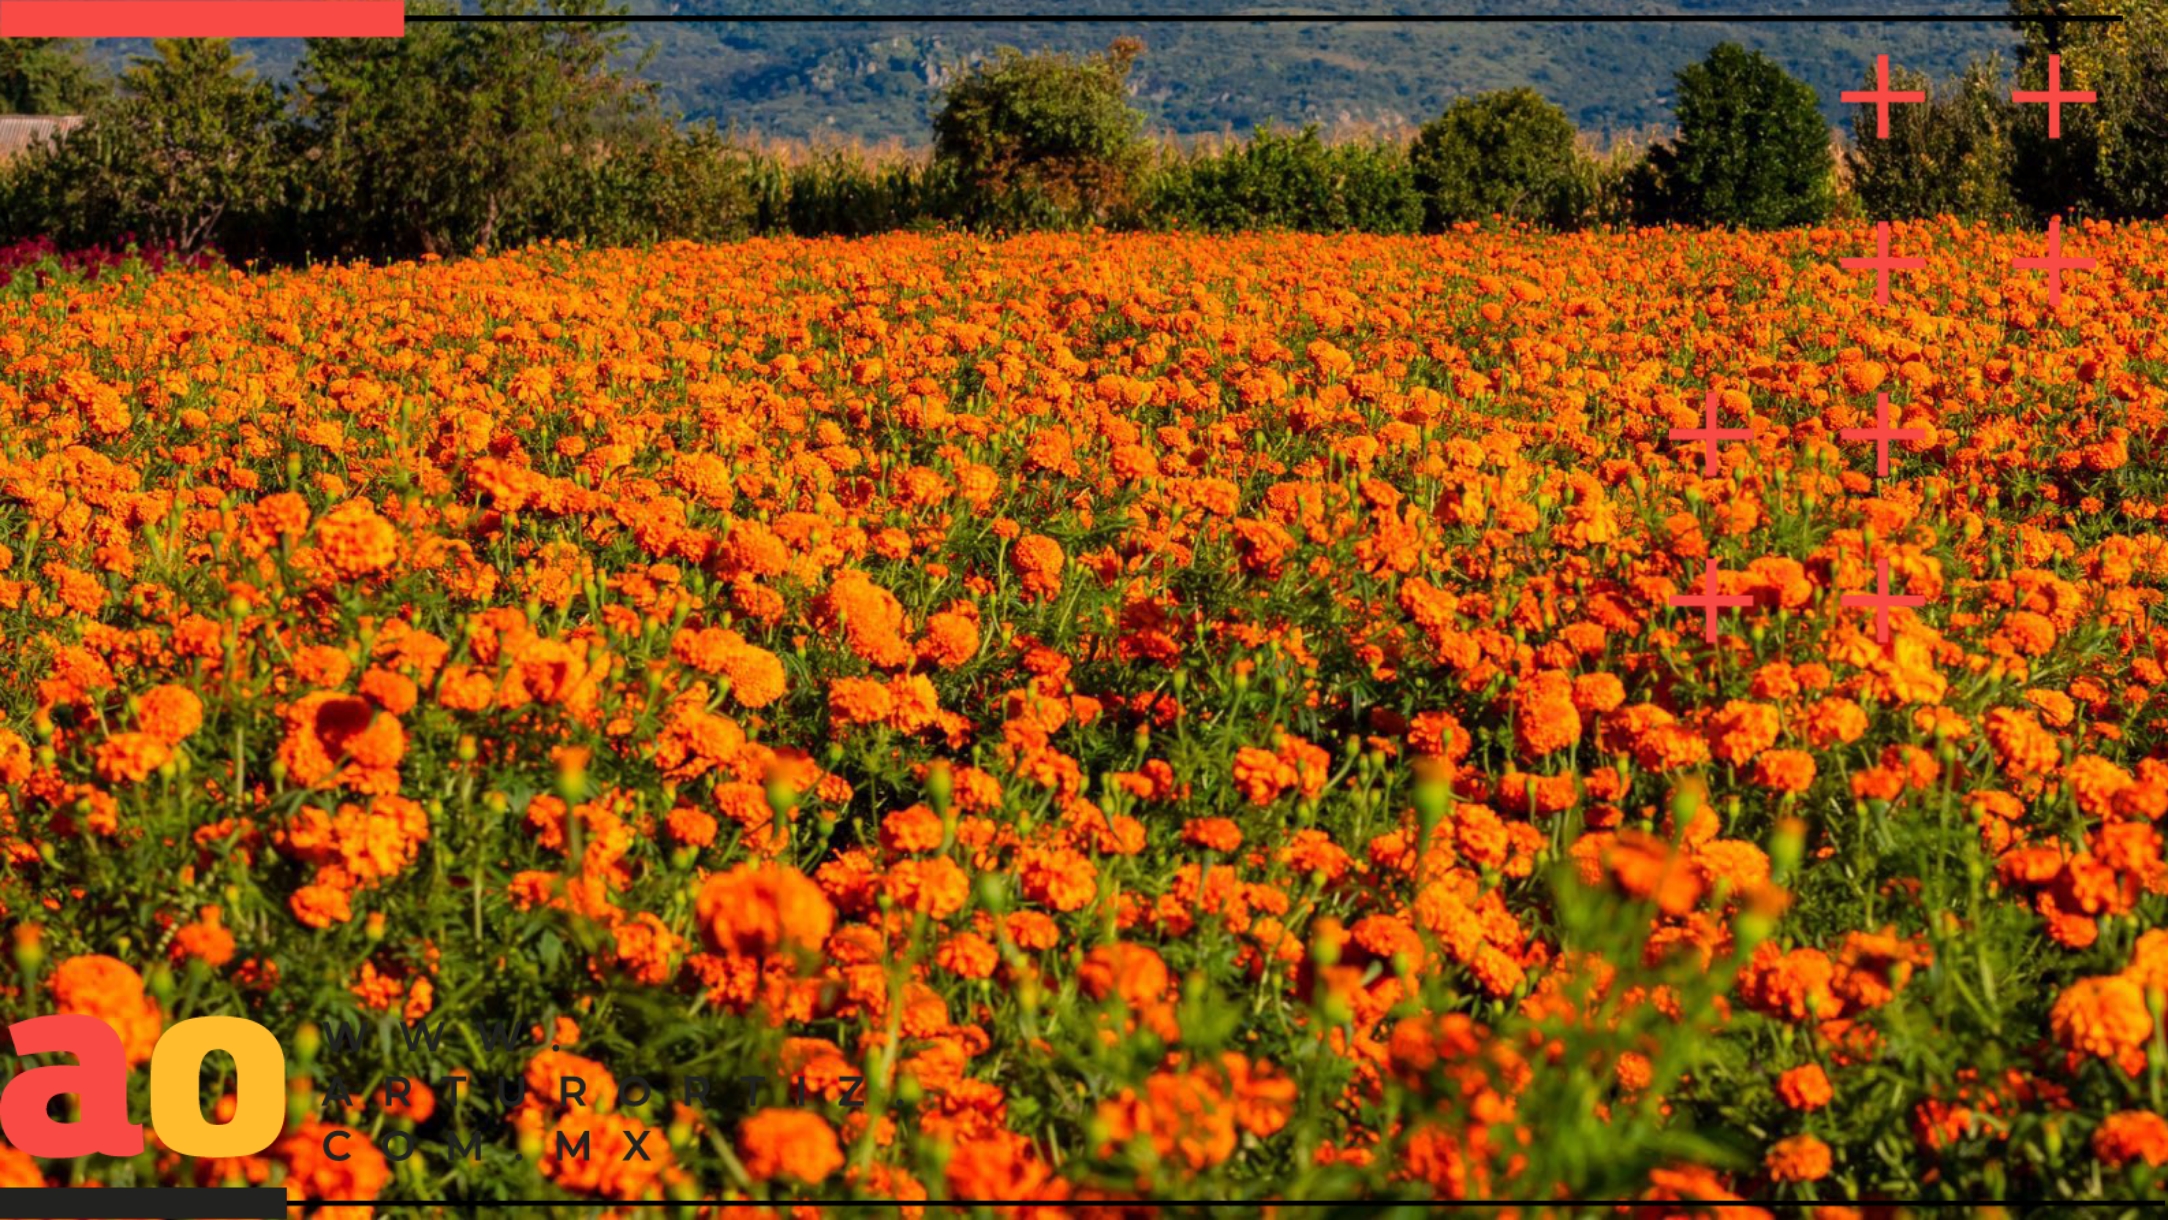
2055	263
1710	601
1881	96
1882	599
2053	96
1709	434
1882	434
1882	264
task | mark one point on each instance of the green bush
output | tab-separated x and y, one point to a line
1042	141
182	156
1752	149
2111	160
1506	153
846	193
1950	156
650	182
1287	181
2134	163
46	76
458	136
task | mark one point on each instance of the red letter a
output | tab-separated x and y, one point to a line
99	1077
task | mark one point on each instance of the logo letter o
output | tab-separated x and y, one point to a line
259	1075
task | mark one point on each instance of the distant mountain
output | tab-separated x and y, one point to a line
873	79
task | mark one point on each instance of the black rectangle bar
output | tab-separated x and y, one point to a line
143	1203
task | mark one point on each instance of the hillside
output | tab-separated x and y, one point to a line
879	80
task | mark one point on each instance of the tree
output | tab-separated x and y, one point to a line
45	76
1042	139
1949	156
459	136
2111	156
2134	157
1505	153
181	151
1752	148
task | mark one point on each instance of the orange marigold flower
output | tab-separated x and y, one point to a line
690	827
356	541
1786	772
950	640
109	989
18	1169
128	758
346	1168
789	1143
758	909
1261	775
1805	1088
1038	560
1833	721
1212	834
2132	1135
2021	745
968	955
1545	719
170	713
2104	1017
857	701
1742	730
206	939
1801	1158
1134	972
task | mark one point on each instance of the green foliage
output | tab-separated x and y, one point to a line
183	152
1752	149
46	76
2111	159
875	81
1508	153
647	182
1279	181
1950	156
2134	162
458	136
843	193
1042	140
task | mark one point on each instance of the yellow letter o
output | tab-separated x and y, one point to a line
259	1075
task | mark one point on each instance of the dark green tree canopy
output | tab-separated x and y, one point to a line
46	76
1042	139
1506	153
187	141
1950	156
459	135
1752	151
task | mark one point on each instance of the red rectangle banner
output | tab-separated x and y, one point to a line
202	18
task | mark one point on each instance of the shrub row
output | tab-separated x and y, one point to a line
482	136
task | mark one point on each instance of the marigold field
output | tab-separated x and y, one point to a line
1180	719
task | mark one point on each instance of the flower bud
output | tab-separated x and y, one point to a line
29	947
782	798
1787	847
940	786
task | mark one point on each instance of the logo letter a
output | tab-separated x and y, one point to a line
99	1077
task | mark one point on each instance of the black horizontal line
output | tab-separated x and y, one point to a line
1286	19
118	1202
